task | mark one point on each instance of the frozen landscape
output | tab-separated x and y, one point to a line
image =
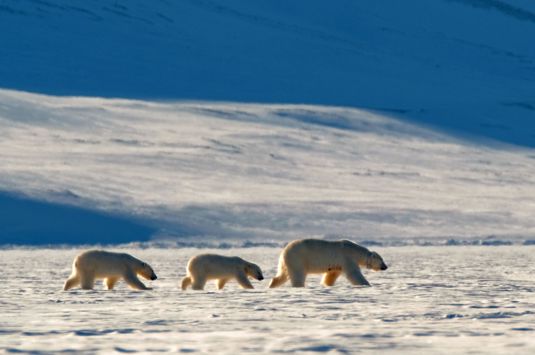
431	300
236	174
171	128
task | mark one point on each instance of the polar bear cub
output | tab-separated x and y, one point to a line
204	267
100	264
330	258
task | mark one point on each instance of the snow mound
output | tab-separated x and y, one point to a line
264	173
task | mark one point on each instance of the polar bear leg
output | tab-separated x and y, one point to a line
329	278
243	280
71	282
354	276
278	280
297	278
132	281
87	280
186	282
198	283
110	282
221	283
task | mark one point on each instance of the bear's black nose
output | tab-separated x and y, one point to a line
154	277
260	278
384	267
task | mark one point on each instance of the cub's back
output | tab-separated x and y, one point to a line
213	263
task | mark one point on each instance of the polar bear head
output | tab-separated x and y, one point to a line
253	271
144	270
375	262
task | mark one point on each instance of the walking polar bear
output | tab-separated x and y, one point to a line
99	264
330	258
204	267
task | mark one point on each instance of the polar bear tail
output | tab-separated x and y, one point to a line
186	281
282	274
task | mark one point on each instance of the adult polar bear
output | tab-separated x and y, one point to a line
100	264
330	258
204	267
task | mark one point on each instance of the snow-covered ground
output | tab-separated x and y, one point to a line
201	171
439	300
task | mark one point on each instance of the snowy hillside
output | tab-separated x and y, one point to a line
139	170
380	120
466	66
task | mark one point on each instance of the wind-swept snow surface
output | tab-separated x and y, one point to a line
255	172
431	300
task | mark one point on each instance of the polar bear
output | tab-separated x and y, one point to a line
330	258
100	264
204	267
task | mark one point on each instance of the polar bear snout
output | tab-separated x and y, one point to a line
254	271
375	262
257	274
147	272
151	275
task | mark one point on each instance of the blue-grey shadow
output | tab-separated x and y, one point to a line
238	52
24	221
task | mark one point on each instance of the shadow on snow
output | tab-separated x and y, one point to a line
29	222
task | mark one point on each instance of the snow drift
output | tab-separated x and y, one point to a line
255	172
265	121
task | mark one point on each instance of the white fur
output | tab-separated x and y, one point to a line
205	267
100	264
330	258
